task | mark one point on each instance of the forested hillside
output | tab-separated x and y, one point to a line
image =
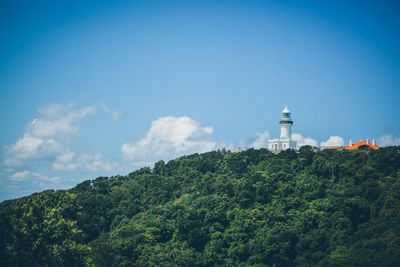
296	208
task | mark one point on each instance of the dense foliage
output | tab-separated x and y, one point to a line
296	208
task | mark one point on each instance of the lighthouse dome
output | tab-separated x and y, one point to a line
286	110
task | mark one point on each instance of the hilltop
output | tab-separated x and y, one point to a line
306	207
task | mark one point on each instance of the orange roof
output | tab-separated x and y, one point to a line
355	146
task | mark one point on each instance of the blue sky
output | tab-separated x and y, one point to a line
91	88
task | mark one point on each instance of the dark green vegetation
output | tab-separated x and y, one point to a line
305	208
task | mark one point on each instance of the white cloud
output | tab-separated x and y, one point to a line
261	140
114	113
44	136
30	147
24	175
86	162
170	137
27	145
304	141
44	146
94	163
333	141
388	140
20	175
55	111
66	157
64	162
58	127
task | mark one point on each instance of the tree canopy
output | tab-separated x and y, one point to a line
248	208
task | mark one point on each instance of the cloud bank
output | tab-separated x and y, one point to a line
46	139
261	140
304	141
333	141
170	137
388	140
86	162
45	136
24	175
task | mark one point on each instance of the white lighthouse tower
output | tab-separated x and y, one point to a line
285	140
286	125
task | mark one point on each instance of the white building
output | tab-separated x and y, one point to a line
285	141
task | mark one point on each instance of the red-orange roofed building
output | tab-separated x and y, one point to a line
359	145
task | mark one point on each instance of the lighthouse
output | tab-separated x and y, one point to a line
285	141
286	124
